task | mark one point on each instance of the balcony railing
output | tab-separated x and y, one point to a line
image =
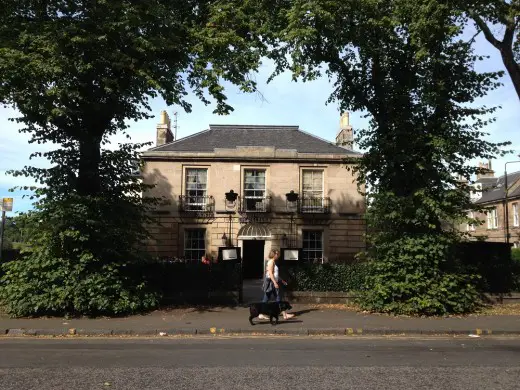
189	203
314	206
255	204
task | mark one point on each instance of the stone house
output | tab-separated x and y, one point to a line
489	191
256	188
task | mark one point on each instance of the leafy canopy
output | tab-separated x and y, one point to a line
404	64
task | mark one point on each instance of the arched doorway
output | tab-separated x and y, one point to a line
255	241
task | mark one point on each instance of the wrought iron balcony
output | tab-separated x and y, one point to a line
314	206
189	203
255	204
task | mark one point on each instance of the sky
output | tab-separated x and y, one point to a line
282	102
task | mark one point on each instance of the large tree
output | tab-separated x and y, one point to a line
404	64
79	70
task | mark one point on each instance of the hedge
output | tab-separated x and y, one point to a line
169	278
327	277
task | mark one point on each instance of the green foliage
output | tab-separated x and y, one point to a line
420	274
328	277
404	64
82	248
515	254
80	71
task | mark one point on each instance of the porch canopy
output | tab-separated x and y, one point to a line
254	231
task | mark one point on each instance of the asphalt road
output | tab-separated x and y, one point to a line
260	363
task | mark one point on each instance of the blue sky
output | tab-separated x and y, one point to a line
284	103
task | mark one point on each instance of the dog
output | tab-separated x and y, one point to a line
271	309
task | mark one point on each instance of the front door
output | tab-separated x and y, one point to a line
253	259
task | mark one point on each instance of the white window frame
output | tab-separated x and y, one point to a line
516	219
193	237
316	195
198	201
309	249
470	227
254	196
492	218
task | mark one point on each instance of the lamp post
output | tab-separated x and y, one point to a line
506	190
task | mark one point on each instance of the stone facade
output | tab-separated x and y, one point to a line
337	224
489	192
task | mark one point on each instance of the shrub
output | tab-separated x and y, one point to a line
328	277
515	254
419	274
83	251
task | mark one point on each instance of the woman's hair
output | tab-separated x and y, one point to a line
273	253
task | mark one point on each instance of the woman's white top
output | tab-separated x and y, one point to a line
275	272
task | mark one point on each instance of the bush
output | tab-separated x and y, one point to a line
83	253
515	255
328	277
420	274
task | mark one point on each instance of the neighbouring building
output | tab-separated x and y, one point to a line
255	187
489	191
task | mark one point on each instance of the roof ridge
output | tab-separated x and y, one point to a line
266	127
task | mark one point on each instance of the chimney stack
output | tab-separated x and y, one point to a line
485	170
164	132
345	137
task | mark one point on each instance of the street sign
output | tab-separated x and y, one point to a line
7	204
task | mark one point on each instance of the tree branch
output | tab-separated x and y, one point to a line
485	29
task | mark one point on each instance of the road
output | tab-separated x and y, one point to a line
260	363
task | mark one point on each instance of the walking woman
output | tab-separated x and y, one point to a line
272	276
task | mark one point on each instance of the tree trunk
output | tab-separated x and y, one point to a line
89	181
512	67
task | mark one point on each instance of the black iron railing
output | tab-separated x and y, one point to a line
255	204
314	206
189	203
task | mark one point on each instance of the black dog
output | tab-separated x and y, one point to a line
271	309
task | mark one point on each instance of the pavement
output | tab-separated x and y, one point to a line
309	320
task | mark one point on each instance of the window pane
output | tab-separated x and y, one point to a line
194	244
312	245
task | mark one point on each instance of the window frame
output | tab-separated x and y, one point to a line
317	202
196	205
250	202
516	217
470	227
492	218
306	251
198	250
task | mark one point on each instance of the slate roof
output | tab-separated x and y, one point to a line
231	136
493	187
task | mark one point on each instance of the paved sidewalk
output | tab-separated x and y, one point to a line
310	319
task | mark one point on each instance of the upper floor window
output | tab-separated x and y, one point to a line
470	227
312	190
196	188
516	220
254	189
492	219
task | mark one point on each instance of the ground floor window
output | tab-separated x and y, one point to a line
312	246
194	244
